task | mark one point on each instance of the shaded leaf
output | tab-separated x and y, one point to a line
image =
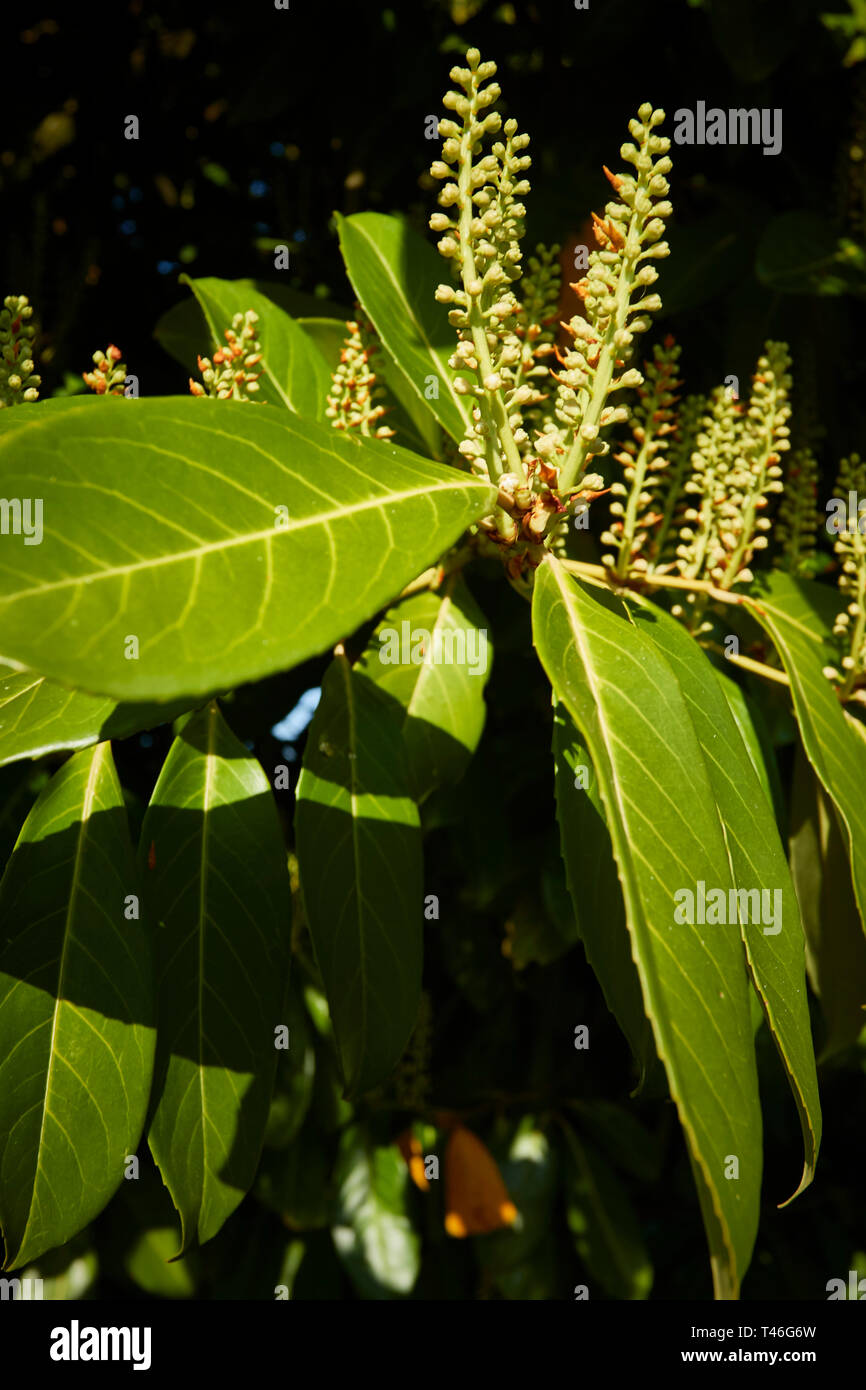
593	882
218	896
39	716
373	1232
438	684
518	1263
603	1223
359	851
76	1010
799	254
835	945
623	1136
798	615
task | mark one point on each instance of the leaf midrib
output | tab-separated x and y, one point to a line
84	825
248	538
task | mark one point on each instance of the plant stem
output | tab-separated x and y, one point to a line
758	667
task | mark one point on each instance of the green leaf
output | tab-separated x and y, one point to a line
163	523
431	654
67	1273
76	1010
294	373
622	1136
296	1182
799	253
150	1266
373	1232
519	1260
755	735
775	951
603	1223
218	895
295	1079
183	335
835	945
628	706
39	716
798	615
756	36
395	274
594	886
359	852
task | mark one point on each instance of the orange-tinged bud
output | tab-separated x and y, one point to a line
476	1199
410	1148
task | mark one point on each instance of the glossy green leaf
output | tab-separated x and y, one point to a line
231	540
76	1010
775	951
183	335
373	1232
627	704
395	273
594	886
603	1223
835	945
294	372
39	716
359	851
217	893
749	721
798	615
432	654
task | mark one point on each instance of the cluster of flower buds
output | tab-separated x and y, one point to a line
232	374
757	473
645	459
798	519
735	472
535	333
482	222
354	400
714	455
660	550
18	380
850	547
629	239
109	375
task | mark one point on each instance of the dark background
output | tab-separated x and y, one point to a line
256	124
